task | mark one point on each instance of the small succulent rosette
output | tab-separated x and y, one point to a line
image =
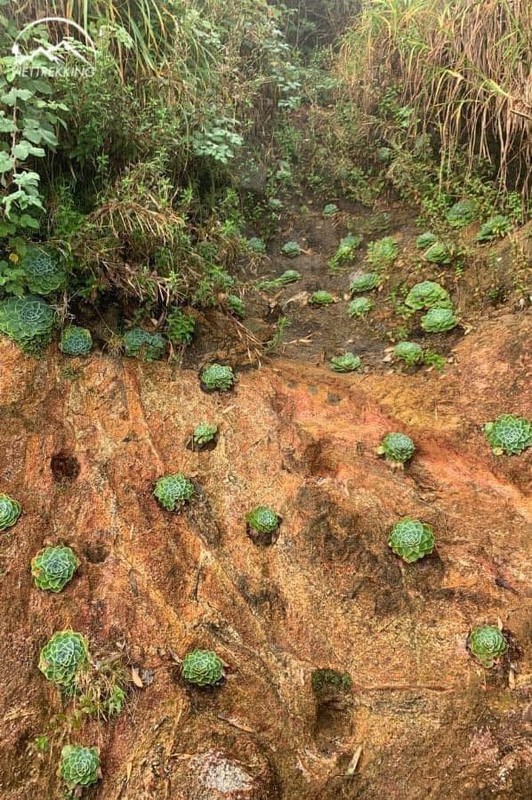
202	668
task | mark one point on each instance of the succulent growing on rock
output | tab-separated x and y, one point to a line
29	321
141	344
217	378
438	253
360	306
173	491
63	657
346	363
42	271
10	511
409	352
346	251
383	252
263	519
202	668
411	539
487	644
427	294
180	327
365	282
76	341
330	209
256	245
330	680
461	213
204	434
288	276
425	240
321	298
236	305
439	320
509	434
291	250
80	766
397	447
494	228
54	567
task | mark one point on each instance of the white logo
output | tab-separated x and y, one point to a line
66	56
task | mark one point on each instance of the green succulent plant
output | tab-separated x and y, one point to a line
397	447
330	680
204	434
365	282
217	378
438	320
64	656
53	567
180	327
43	273
236	305
76	341
462	213
288	276
438	253
385	155
256	245
291	250
411	539
494	228
427	294
487	644
202	668
275	204
409	352
346	251
321	298
330	209
263	519
509	435
425	240
141	344
29	321
80	766
10	511
173	491
360	306
345	363
383	252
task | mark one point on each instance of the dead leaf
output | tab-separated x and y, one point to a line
353	764
135	677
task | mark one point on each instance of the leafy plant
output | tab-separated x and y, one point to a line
411	539
138	343
383	252
345	363
63	657
427	294
76	341
330	679
180	327
263	520
236	305
436	360
202	668
509	434
425	240
494	228
10	511
204	434
330	209
438	320
409	352
291	250
288	276
256	245
174	491
487	644
346	251
80	766
321	298
438	253
462	213
397	448
42	272
53	567
365	282
360	306
217	378
29	321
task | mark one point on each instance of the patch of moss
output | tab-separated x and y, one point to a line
325	680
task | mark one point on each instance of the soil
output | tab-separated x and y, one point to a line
82	443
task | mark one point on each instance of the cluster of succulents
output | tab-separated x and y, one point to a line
63	657
139	343
487	644
348	362
53	567
438	320
217	378
288	276
360	306
409	352
425	240
174	491
291	250
383	252
202	668
462	213
365	282
10	511
204	434
427	294
509	435
411	539
438	253
321	298
256	245
43	274
236	306
263	520
398	448
80	766
76	341
326	680
29	321
330	209
494	228
346	251
180	327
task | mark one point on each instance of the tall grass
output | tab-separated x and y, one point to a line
464	66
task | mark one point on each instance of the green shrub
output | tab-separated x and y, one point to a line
10	511
330	210
365	282
173	491
217	378
180	327
346	251
76	341
291	250
141	344
53	567
409	352
263	519
256	245
487	644
288	276
80	766
427	294
204	434
438	253
462	213
345	363
425	240
509	435
439	320
29	321
383	252
321	298
236	305
494	228
43	273
411	539
360	306
202	668
397	447
64	656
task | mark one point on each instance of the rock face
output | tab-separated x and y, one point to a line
82	444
